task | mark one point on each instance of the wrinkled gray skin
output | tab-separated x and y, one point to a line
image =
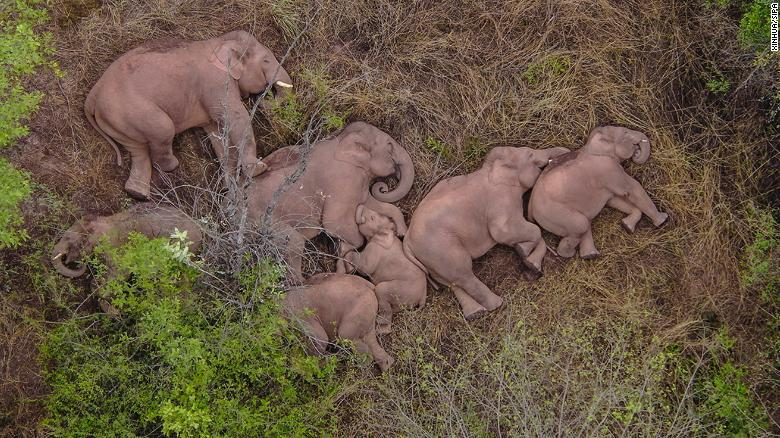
465	216
338	175
576	187
146	218
337	306
158	90
400	284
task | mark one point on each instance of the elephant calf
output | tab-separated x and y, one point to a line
571	192
331	306
148	219
465	216
399	282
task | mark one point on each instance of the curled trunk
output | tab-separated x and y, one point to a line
643	153
404	173
59	254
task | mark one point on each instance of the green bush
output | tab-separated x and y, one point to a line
14	187
180	361
754	25
22	50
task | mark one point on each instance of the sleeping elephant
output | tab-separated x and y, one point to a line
400	284
336	179
158	90
148	219
465	216
576	187
333	306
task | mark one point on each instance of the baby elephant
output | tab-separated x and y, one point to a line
147	218
399	282
574	188
332	306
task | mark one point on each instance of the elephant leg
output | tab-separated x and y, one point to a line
137	185
588	249
292	247
384	318
318	339
470	308
218	145
522	235
369	344
531	247
634	214
160	137
568	246
576	226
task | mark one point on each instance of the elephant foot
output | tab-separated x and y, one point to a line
661	219
566	253
590	255
168	164
629	226
494	303
535	268
475	313
137	190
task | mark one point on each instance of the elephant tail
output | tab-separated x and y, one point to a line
410	255
89	111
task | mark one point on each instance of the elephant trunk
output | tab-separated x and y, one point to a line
643	153
282	82
404	173
60	255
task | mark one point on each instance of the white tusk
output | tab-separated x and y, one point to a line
57	256
283	84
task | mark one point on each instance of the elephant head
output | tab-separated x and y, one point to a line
519	166
375	226
69	249
619	143
373	150
251	64
78	240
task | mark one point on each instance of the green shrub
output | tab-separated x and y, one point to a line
730	403
22	50
754	25
180	361
14	188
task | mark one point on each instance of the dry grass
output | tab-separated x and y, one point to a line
474	75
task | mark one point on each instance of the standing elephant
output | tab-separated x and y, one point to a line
158	90
333	306
147	218
465	216
400	284
336	180
573	190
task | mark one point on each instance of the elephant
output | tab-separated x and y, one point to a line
399	282
158	90
463	217
335	181
331	306
147	218
575	188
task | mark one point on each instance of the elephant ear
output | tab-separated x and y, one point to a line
384	239
227	57
503	169
354	152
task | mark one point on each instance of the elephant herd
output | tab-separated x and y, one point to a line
158	90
